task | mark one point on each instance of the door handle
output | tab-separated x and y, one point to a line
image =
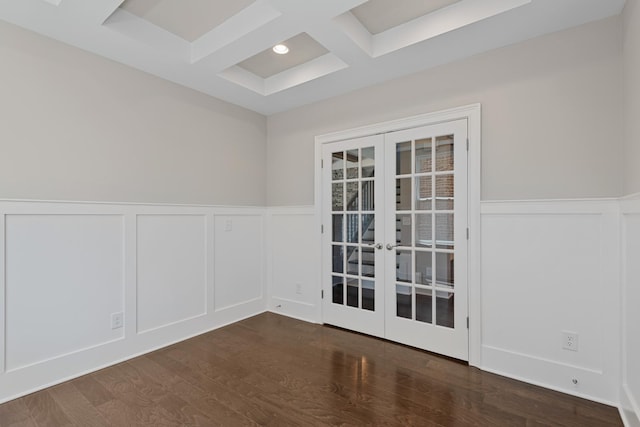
390	246
376	245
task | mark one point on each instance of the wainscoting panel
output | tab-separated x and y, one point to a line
64	279
172	269
630	393
547	268
3	292
293	263
66	268
239	255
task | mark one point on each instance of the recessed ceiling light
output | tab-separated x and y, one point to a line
280	49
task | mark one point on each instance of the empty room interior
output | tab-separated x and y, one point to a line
319	212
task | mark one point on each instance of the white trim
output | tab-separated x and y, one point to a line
286	306
290	210
546	206
294	309
471	113
598	382
630	204
120	203
401	124
54	369
549	387
123	359
629	408
216	310
3	293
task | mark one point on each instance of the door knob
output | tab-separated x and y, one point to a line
376	245
390	246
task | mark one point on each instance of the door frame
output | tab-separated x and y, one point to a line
472	114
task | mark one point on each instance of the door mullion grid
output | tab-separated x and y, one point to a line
433	231
412	216
345	263
360	194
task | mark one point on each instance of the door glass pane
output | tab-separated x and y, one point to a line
424	193
368	162
403	194
403	266
403	158
403	301
337	166
368	262
445	309
368	228
444	192
353	164
337	228
424	270
337	290
423	155
353	260
444	231
368	195
444	270
403	229
424	305
444	153
338	259
424	231
352	228
368	295
352	196
337	196
353	294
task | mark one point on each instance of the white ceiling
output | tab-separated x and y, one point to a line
189	19
381	15
302	49
220	47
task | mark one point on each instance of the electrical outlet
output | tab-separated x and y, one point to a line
117	320
570	340
228	225
298	288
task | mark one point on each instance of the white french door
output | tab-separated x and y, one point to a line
395	236
353	217
426	238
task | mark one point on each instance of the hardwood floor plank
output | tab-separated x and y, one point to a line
276	371
355	385
16	413
45	411
92	390
78	409
24	423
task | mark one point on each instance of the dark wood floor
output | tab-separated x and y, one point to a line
272	370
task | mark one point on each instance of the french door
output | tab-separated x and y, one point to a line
353	217
395	236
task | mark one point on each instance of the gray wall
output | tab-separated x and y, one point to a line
76	126
551	117
632	96
631	239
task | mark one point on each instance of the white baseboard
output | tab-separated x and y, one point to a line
592	385
38	377
295	309
629	408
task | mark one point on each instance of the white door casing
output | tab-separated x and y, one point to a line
462	254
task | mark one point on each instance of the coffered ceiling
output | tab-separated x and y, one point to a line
223	47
